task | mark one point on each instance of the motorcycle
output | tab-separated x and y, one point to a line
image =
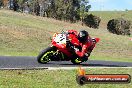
60	50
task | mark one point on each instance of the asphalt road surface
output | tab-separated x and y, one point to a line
24	62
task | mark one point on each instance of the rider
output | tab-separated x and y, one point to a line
82	43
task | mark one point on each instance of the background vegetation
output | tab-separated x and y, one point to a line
68	10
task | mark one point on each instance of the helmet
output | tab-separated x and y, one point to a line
83	36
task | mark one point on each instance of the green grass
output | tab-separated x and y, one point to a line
61	79
26	35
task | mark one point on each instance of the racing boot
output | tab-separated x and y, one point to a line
78	60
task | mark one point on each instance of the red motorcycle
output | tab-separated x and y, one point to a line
60	50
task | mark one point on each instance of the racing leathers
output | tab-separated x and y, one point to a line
82	50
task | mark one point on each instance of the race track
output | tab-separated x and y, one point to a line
24	62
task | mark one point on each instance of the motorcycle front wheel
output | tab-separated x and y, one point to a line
45	55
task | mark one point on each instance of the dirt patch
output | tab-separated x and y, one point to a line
13	32
17	34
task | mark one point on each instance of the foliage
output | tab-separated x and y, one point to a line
64	10
84	7
67	10
1	3
92	21
119	26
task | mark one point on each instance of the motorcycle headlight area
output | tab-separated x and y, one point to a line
60	39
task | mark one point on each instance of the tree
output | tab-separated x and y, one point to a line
64	10
84	7
87	8
1	3
16	5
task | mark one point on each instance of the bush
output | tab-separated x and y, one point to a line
92	21
119	26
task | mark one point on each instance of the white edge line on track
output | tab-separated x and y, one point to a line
58	68
71	68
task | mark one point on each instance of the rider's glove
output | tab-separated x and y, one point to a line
87	54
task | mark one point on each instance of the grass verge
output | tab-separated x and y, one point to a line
56	78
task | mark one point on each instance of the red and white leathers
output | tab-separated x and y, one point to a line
86	47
